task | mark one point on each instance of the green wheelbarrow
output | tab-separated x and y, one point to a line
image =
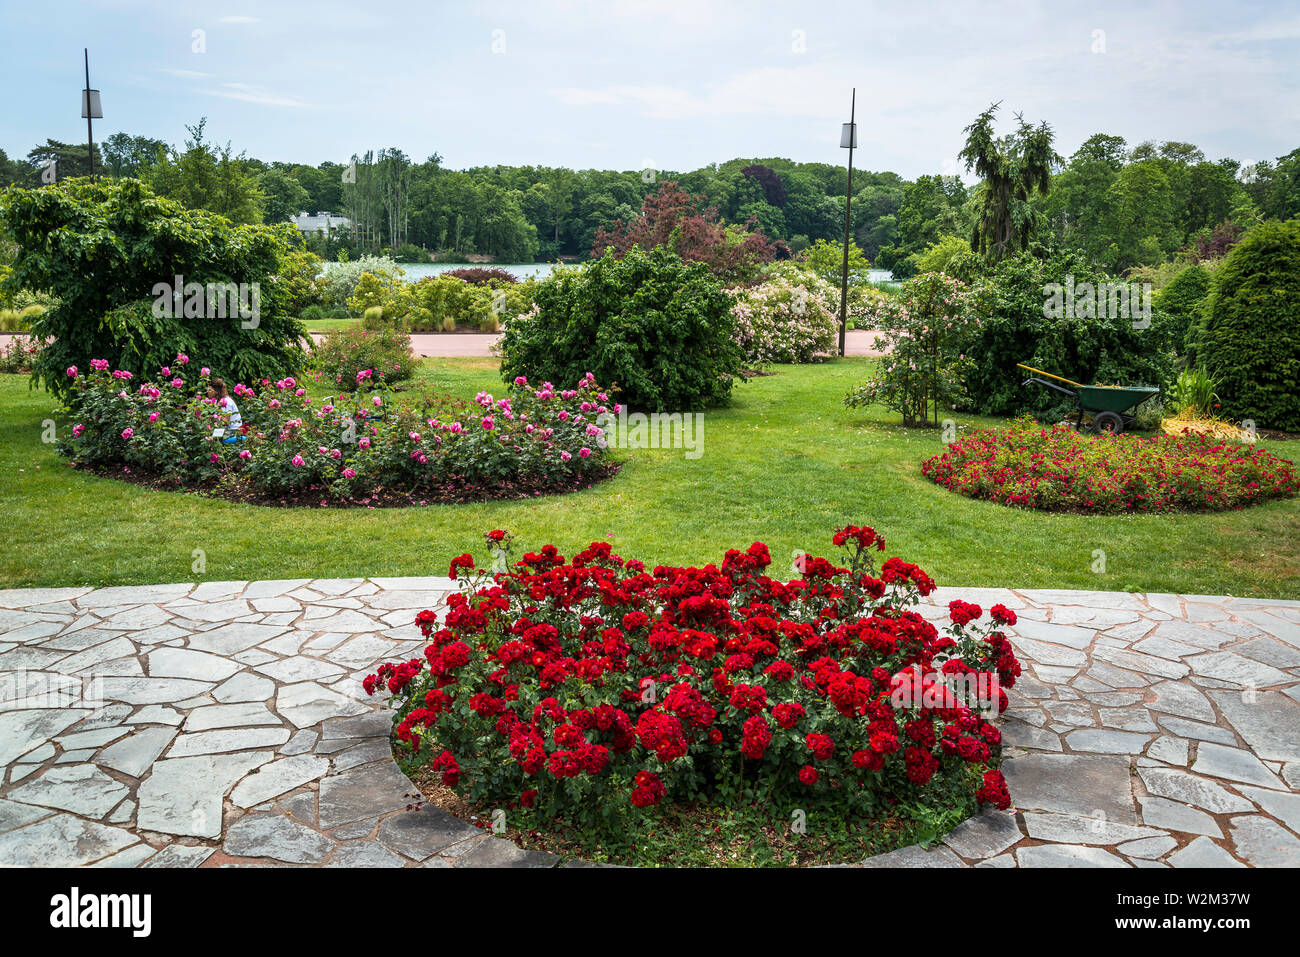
1111	406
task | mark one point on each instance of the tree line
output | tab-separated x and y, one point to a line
1123	206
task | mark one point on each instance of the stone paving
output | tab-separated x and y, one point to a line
224	724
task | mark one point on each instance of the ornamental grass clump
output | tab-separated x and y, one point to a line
1058	469
598	691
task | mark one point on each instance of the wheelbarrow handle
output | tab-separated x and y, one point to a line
1051	385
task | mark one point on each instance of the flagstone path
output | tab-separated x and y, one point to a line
224	724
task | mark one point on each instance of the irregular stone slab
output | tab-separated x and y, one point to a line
152	690
183	795
984	835
183	663
62	841
308	703
1068	855
1001	861
80	788
1144	664
1268	651
161	634
1270	725
1056	634
272	780
1192	634
1049	654
213	611
498	852
1281	804
1074	713
90	739
1179	699
140	618
1273	624
1173	816
24	731
278	837
1021	735
344	620
1183	787
1116	677
365	854
361	652
31	659
24	597
1264	843
1100	741
300	743
274	588
180	855
423	833
1073	784
155	714
1150	848
1078	829
298	668
1237	669
133	856
1198	731
245	687
230	716
1203	852
366	792
1165	648
1126	719
219	742
133	595
377	749
78	640
137	753
14	815
1168	749
376	724
235	637
1234	764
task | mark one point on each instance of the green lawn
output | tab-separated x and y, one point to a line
785	464
328	325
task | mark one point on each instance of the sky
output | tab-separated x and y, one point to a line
662	84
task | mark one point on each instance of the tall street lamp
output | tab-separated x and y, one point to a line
848	140
90	108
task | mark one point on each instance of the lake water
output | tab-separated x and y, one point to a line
417	271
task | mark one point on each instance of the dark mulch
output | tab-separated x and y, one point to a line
233	488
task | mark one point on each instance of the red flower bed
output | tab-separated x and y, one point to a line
595	687
1059	469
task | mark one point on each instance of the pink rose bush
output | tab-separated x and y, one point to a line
344	448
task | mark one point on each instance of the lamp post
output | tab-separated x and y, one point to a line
90	108
848	140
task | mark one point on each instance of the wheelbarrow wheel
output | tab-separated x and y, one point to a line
1109	423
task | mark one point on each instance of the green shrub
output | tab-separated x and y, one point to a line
1011	300
110	250
355	358
658	329
313	314
340	279
1181	299
1250	335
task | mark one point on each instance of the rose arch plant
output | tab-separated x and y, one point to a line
595	688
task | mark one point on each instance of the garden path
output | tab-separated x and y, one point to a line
231	729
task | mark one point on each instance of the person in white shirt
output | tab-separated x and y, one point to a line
217	390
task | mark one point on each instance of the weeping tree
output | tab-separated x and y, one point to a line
1013	168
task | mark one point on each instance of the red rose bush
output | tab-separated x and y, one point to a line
594	687
1059	469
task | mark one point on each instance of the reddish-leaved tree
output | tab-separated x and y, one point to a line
671	216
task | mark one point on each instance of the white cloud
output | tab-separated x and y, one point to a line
239	19
255	94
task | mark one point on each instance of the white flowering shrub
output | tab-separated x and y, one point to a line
787	319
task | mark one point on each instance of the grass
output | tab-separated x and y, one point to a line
329	325
786	463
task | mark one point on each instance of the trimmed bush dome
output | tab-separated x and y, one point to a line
658	330
600	694
1058	469
367	450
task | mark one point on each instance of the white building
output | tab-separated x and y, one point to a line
321	224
